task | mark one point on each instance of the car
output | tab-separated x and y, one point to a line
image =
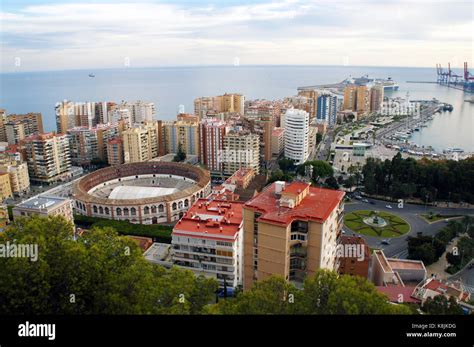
365	200
388	206
372	202
358	197
385	242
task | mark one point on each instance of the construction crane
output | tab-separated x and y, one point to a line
450	78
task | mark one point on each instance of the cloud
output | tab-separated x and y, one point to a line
86	35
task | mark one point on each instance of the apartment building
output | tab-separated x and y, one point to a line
296	125
211	106
88	144
5	187
45	206
184	133
33	122
278	141
354	258
48	157
208	241
140	143
211	135
3	121
376	98
291	230
15	127
326	111
18	173
357	98
115	151
241	150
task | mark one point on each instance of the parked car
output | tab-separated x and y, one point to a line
385	242
365	200
388	206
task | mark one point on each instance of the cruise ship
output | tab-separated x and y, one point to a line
388	84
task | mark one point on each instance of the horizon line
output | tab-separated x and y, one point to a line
218	66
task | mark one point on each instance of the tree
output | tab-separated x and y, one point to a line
331	182
324	293
286	164
180	155
319	138
271	296
441	305
99	273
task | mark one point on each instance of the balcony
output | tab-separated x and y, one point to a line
298	251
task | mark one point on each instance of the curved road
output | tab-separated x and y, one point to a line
398	246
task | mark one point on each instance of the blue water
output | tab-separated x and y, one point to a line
170	87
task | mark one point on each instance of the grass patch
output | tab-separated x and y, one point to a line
396	226
159	233
431	217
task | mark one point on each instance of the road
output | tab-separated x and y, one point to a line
325	146
398	245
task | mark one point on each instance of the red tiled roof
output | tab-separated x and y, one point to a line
435	285
211	219
295	187
317	205
394	292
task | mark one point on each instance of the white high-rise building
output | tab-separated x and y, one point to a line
296	125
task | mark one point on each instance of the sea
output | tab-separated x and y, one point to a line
172	88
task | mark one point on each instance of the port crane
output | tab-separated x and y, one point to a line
450	78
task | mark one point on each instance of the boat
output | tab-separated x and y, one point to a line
388	84
448	107
454	150
417	129
91	75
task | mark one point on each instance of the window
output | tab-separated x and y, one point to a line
107	211
161	208
95	209
153	209
125	211
174	206
146	210
119	211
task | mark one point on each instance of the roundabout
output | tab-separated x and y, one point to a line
376	223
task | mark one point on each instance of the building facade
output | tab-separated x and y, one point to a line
327	109
241	150
208	241
48	157
184	133
5	186
140	143
211	135
19	178
296	125
115	151
45	206
291	230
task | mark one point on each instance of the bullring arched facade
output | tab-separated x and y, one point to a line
150	210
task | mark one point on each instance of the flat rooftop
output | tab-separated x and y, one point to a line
317	205
402	264
41	202
212	219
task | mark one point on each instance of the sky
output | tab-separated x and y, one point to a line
85	34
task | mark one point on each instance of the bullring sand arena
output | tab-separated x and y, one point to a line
145	193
